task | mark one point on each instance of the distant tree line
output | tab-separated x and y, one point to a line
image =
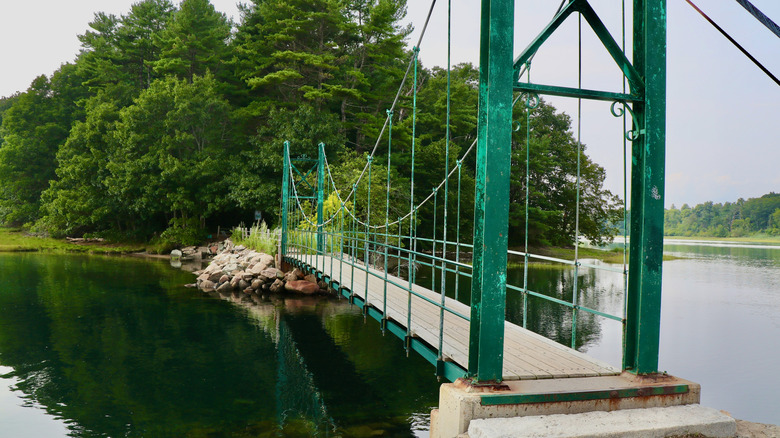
737	219
171	120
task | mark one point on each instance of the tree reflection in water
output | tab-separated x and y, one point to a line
117	347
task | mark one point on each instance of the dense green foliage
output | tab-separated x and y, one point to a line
553	162
171	120
737	219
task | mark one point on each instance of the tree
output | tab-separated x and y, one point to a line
287	50
553	185
345	57
719	220
5	104
121	52
258	185
79	200
377	59
139	38
195	41
172	144
774	223
33	129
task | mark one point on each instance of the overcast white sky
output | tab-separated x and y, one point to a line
722	110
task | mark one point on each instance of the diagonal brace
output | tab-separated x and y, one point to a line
584	8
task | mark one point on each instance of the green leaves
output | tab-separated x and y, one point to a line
195	42
171	119
33	129
552	215
731	219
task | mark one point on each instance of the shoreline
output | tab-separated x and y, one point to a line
745	428
763	239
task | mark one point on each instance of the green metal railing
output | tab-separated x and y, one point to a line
364	239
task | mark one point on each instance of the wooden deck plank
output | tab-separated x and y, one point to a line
527	355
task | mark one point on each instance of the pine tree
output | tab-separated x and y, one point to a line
195	42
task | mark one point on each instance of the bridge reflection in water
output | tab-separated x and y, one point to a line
324	379
414	315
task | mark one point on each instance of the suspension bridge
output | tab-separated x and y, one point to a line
442	289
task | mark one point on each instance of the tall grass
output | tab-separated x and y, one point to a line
259	238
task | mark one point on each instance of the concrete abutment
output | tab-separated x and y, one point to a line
460	404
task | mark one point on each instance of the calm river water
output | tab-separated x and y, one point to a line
109	347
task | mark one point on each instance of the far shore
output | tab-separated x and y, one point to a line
16	240
749	239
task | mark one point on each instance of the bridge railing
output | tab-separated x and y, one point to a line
368	243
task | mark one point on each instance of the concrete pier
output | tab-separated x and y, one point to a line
460	403
672	421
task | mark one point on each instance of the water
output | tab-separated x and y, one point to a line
94	346
720	318
720	325
110	347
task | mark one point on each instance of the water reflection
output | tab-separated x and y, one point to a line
744	254
120	348
598	290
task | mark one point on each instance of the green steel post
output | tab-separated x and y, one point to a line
433	238
387	216
285	195
320	197
491	200
643	316
366	238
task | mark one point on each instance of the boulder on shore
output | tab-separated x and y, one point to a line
302	286
266	261
270	274
238	269
277	286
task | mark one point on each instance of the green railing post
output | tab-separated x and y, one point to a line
285	195
643	303
320	197
491	200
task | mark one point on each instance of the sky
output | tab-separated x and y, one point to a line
721	109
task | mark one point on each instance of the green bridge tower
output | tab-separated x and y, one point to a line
645	101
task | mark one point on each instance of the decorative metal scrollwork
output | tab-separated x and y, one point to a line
616	111
531	100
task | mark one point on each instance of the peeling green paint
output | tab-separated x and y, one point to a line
491	208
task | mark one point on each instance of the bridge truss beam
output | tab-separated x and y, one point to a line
647	77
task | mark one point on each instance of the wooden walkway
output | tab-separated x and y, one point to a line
527	355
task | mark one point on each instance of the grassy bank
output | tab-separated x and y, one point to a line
758	238
14	240
613	256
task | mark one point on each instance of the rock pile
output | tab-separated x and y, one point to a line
238	268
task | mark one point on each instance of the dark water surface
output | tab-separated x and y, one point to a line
99	347
96	346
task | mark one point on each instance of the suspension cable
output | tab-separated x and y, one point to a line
412	61
344	200
760	16
736	44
